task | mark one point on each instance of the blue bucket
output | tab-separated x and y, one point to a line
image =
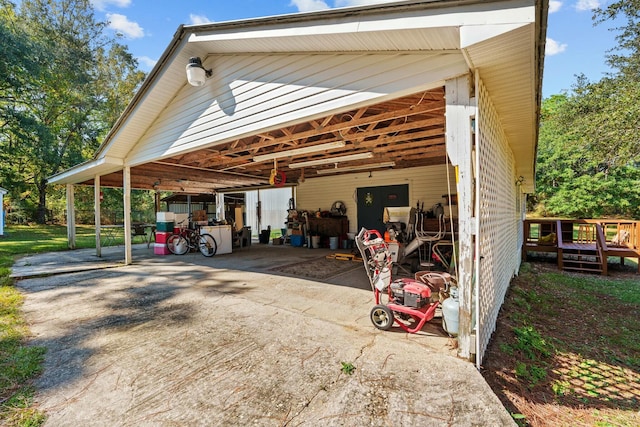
296	240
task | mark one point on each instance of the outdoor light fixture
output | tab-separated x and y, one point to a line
196	73
298	151
330	160
356	168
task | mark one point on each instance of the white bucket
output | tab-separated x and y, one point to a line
333	243
315	242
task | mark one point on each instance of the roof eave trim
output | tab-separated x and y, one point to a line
66	177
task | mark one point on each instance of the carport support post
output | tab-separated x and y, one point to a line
459	113
97	222
126	181
220	207
71	217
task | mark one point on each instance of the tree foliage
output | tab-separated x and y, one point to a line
589	148
65	85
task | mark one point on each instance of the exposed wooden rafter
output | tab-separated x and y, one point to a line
408	131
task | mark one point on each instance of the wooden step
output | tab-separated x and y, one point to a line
582	265
583	252
584	270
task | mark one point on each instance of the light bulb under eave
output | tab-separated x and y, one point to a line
196	76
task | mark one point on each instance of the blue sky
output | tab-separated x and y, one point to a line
574	45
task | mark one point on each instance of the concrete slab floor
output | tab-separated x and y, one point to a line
228	341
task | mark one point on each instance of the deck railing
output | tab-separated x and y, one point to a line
622	233
602	238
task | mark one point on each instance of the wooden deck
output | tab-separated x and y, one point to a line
591	247
583	245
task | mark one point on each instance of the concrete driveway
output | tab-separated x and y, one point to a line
226	341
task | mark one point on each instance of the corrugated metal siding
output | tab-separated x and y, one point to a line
426	184
254	93
184	207
499	218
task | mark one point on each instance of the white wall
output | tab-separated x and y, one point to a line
426	184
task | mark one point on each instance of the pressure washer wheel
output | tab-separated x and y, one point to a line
381	317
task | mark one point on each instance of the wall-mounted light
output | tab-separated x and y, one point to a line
196	73
329	160
298	151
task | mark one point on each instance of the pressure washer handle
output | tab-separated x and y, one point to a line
366	235
369	233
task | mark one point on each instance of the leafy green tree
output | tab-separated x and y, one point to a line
69	85
18	71
589	148
579	175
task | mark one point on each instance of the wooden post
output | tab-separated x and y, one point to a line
459	114
156	198
71	217
98	219
126	186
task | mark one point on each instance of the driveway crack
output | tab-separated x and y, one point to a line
327	386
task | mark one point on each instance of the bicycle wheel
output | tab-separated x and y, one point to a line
177	244
207	245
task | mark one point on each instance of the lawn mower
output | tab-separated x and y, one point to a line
408	302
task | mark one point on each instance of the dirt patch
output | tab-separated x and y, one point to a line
565	353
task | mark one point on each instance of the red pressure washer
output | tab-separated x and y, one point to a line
409	302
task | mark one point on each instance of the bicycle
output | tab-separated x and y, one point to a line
191	239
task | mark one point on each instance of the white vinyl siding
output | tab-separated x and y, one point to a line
426	184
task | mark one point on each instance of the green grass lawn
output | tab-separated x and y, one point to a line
19	362
566	350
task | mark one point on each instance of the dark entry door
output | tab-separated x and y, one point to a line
373	200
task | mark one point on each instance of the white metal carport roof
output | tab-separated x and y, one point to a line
503	39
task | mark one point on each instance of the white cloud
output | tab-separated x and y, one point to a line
583	5
553	47
198	19
309	5
103	4
554	6
121	24
146	62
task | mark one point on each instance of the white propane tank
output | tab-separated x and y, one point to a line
450	310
